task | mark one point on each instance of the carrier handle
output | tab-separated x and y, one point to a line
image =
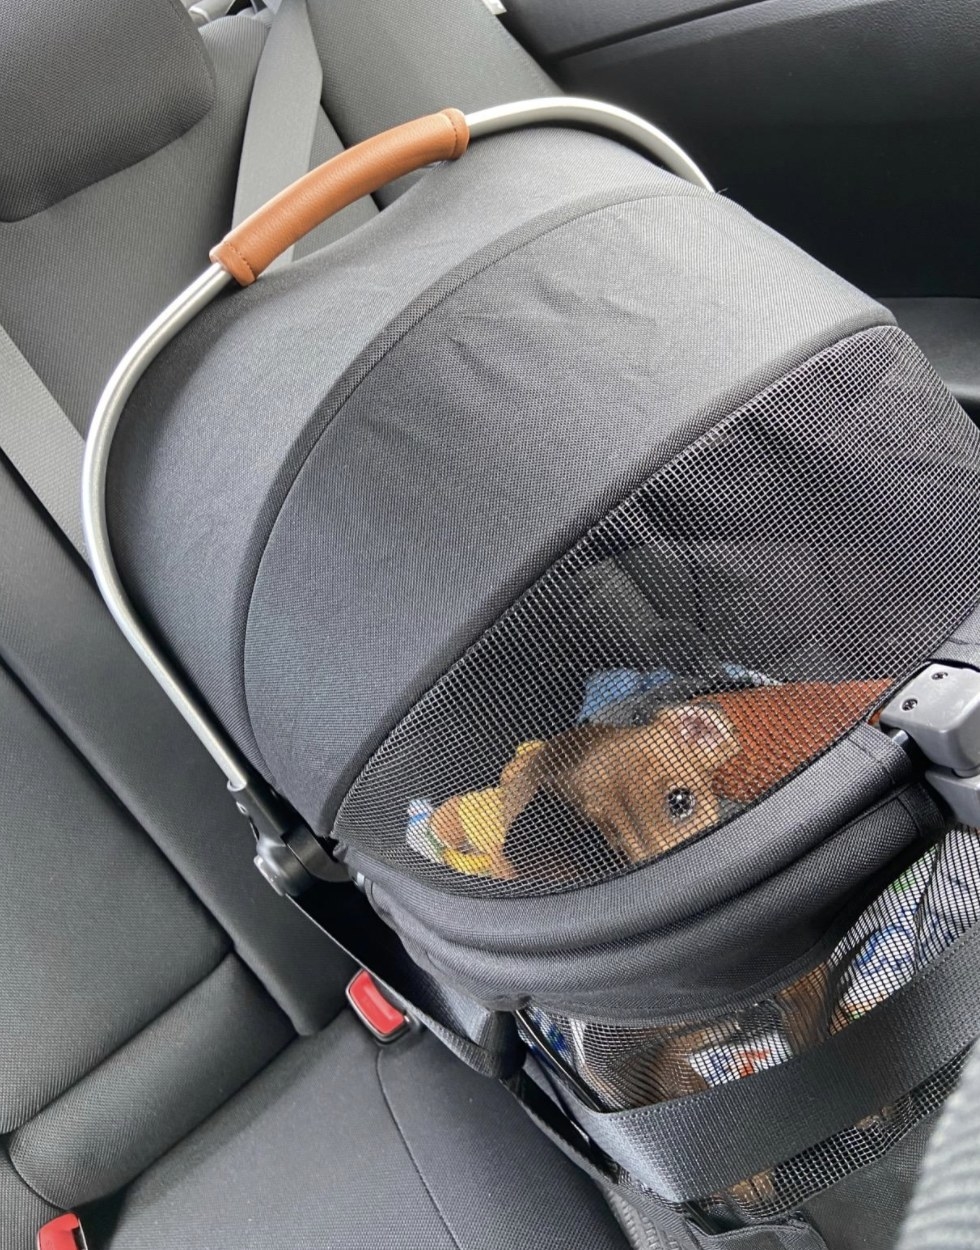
251	247
281	222
240	257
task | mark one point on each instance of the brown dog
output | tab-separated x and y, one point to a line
649	788
645	789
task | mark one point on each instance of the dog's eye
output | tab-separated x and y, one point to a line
681	803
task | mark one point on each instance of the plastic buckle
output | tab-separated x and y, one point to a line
383	1020
940	711
62	1233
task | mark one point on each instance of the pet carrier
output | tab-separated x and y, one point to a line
591	574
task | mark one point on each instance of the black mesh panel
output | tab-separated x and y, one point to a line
788	1186
715	633
912	922
909	925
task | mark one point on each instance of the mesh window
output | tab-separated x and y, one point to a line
912	922
908	926
716	632
787	1187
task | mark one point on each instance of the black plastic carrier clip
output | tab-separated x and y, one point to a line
287	854
939	710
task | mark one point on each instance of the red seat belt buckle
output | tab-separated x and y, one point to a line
62	1233
382	1019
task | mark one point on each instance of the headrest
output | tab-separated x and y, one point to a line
90	87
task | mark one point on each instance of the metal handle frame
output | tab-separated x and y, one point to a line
564	111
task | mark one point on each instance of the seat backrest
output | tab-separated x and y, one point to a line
118	163
146	970
118	173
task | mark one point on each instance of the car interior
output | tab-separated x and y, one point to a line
189	1058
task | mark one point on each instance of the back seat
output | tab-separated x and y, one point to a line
152	987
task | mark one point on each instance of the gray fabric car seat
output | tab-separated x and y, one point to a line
146	973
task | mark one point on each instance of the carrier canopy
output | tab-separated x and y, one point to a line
715	633
548	543
332	482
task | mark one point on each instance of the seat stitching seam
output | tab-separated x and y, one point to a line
111	1054
26	1183
408	1151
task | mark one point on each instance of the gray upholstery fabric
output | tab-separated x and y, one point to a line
530	1194
387	63
945	1209
22	1212
344	1145
83	99
312	320
129	734
150	1093
97	934
70	298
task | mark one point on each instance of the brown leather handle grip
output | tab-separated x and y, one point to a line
260	238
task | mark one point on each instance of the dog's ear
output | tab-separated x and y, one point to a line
519	780
702	729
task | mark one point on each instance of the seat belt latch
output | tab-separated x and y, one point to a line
383	1020
62	1233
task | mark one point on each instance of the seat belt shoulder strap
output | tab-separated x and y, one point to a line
282	113
39	440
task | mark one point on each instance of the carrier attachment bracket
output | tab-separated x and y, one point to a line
287	853
939	710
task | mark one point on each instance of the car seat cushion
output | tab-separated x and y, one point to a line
348	1144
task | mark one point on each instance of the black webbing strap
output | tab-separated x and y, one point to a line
683	1232
706	1142
485	1040
557	1127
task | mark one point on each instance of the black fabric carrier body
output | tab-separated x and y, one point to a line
550	543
